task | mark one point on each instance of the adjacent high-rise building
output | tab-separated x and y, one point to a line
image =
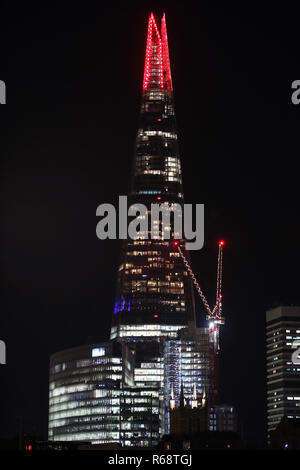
283	364
84	392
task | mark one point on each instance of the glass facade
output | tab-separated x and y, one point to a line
84	393
92	398
140	417
186	368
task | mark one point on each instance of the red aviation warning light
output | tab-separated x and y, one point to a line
221	243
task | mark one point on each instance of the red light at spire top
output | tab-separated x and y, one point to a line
221	243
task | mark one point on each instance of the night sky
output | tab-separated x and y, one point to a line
73	72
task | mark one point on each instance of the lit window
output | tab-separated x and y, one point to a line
97	352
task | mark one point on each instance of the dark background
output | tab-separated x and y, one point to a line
74	73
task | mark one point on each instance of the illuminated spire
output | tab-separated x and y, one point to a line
172	401
204	398
157	72
194	400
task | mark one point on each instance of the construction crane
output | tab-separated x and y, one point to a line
214	315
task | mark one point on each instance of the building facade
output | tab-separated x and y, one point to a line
84	393
92	398
283	367
187	362
223	418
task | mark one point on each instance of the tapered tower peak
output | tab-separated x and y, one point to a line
157	71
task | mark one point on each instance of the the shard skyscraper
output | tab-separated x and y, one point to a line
154	292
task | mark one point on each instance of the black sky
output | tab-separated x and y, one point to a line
73	72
